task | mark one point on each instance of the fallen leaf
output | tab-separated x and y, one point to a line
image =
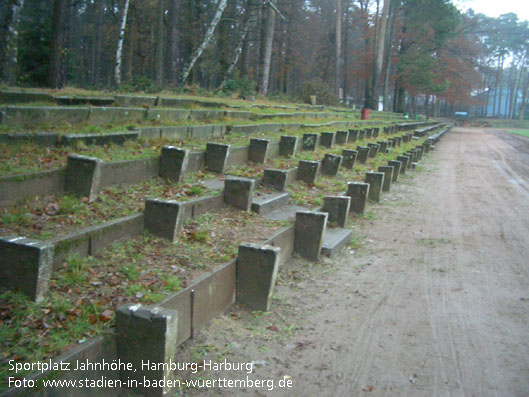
106	315
368	388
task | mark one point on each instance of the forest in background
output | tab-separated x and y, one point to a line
418	56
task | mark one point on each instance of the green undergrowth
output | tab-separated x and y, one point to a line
52	216
84	292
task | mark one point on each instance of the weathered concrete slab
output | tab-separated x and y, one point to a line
376	181
361	135
27	116
114	115
363	154
310	141
335	240
167	115
26	265
134	100
265	202
18	187
285	213
83	100
174	132
11	96
342	137
163	218
327	139
238	192
373	149
117	138
331	164
388	177
288	145
358	192
383	145
396	169
147	334
405	160
310	229
128	171
353	136
216	157
276	179
257	267
258	150
83	176
338	208
349	158
308	171
101	236
173	162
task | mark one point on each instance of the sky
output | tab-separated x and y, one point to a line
494	8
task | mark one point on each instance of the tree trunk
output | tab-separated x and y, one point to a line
172	42
119	49
389	39
159	43
338	52
268	45
209	34
379	53
98	43
238	50
59	40
9	40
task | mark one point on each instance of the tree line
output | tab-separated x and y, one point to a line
397	55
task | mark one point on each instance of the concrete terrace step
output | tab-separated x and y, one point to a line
285	213
334	240
265	202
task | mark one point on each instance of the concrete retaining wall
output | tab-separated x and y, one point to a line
18	187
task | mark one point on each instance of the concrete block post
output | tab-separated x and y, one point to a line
420	150
308	235
26	265
392	142
342	137
349	157
404	160
363	153
238	192
258	150
331	164
308	171
217	156
83	176
388	177
383	145
358	191
173	162
327	139
399	141
338	209
361	135
162	218
376	132
353	136
310	141
426	145
368	133
373	149
376	181
147	335
257	267
276	179
288	145
396	169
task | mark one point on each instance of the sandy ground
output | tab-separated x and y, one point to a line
434	302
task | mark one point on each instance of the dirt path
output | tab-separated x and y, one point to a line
435	302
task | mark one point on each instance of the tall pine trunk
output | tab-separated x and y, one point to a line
119	48
59	40
209	34
267	53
